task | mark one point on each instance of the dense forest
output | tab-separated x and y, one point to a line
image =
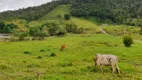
117	11
30	13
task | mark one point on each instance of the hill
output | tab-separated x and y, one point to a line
120	12
65	9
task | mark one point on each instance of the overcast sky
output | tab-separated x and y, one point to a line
16	4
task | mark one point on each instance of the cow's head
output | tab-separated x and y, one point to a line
95	60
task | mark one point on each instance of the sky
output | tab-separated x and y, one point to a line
17	4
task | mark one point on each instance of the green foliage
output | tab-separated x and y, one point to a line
38	33
7	28
140	31
118	11
27	52
59	16
127	40
42	50
72	28
67	16
22	35
52	54
2	25
55	28
30	13
39	57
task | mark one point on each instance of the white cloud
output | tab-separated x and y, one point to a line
16	4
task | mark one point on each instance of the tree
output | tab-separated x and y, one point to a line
127	40
2	25
37	33
9	28
67	16
55	28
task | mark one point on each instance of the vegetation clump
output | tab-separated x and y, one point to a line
127	40
42	50
67	16
52	55
39	57
27	52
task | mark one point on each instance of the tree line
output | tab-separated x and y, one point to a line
118	11
30	13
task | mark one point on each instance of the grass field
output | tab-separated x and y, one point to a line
31	60
35	60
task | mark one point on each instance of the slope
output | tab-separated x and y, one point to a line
65	9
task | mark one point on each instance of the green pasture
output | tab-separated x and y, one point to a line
32	60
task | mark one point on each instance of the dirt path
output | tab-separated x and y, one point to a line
103	31
139	41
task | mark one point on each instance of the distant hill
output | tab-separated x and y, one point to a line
66	9
110	11
118	11
30	13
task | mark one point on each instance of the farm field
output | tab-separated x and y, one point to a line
43	60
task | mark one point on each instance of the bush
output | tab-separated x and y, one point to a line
61	33
38	33
127	40
27	52
67	16
39	57
52	55
55	28
72	28
22	35
42	50
59	16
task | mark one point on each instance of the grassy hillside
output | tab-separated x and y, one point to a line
31	60
59	10
65	9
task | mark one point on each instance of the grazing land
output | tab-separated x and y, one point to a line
31	39
31	60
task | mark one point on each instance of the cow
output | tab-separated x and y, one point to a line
62	47
107	60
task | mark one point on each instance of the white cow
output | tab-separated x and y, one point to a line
107	60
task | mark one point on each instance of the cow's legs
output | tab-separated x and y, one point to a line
101	68
113	68
117	69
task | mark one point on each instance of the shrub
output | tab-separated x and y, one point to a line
39	57
22	35
59	16
38	33
27	52
55	28
67	16
52	55
61	33
42	50
72	28
127	40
